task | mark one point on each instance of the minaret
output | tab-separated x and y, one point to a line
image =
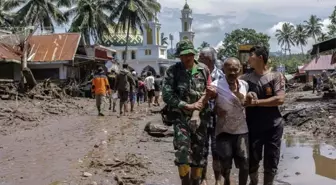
186	21
151	32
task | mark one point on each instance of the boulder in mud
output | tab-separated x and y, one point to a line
158	130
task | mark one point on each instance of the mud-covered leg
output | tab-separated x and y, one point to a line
182	147
241	157
255	156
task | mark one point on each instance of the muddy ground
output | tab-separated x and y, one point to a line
54	142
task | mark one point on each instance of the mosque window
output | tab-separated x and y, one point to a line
148	52
185	26
162	51
133	55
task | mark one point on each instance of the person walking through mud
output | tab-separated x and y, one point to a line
150	87
263	117
314	83
124	81
157	88
111	76
208	56
141	91
133	90
231	128
100	88
184	85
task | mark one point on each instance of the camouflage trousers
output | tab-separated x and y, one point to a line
190	146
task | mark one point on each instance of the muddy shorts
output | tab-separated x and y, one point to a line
151	93
190	147
100	100
233	147
123	95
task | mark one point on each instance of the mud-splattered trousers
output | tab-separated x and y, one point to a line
181	87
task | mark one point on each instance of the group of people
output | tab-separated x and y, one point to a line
126	86
318	81
238	115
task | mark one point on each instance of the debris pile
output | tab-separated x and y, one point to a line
318	120
8	90
46	90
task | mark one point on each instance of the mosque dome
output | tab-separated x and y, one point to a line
119	39
186	7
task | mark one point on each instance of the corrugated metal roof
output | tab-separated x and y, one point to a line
8	53
323	63
54	47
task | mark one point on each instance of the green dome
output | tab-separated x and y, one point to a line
119	39
186	7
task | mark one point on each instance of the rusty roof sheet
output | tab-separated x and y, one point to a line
323	63
54	47
8	53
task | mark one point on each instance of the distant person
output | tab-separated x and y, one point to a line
319	82
157	89
141	91
314	83
124	82
149	83
100	88
133	90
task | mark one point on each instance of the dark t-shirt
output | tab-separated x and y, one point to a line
111	79
157	84
260	119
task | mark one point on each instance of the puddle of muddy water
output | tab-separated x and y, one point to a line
306	161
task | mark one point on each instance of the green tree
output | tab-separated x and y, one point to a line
314	27
285	36
300	36
239	37
44	13
131	14
332	17
164	39
332	30
204	45
291	62
323	37
91	18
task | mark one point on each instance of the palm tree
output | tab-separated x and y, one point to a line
131	14
300	36
6	18
44	13
91	18
285	36
164	40
314	26
323	37
332	17
332	30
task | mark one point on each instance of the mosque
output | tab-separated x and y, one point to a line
145	51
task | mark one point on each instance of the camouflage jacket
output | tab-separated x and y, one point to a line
181	86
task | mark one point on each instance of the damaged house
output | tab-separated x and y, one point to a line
56	56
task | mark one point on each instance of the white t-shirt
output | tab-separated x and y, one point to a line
230	112
149	82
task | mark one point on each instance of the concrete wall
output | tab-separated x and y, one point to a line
10	70
63	70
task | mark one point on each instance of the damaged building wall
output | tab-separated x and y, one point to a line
54	71
10	71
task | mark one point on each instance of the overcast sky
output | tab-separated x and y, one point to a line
213	18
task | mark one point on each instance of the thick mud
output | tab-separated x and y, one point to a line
70	145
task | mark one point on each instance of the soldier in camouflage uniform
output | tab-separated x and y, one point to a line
183	91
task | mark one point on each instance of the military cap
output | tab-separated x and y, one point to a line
185	47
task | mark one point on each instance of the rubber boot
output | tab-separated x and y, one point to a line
184	172
196	176
268	179
254	178
226	175
243	176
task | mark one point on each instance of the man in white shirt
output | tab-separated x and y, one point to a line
149	84
231	127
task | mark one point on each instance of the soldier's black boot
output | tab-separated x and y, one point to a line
254	178
226	175
268	179
243	176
